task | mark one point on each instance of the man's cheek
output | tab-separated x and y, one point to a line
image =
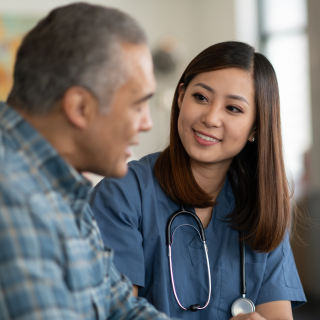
135	122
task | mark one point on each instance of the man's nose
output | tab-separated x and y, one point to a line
146	120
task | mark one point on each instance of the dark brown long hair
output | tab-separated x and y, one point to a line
257	174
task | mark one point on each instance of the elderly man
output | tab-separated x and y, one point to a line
82	81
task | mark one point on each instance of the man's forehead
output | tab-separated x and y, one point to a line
140	75
142	90
137	58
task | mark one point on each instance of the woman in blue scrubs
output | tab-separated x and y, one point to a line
224	162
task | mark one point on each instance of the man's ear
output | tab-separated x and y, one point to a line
182	91
79	106
253	134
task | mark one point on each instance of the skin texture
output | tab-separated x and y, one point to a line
96	138
221	104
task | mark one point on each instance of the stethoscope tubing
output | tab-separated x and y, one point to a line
169	239
242	304
243	264
183	211
209	275
172	278
169	243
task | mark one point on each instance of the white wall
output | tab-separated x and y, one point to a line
195	23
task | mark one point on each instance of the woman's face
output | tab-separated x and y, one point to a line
217	115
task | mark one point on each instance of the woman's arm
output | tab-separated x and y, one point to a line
135	290
276	310
118	218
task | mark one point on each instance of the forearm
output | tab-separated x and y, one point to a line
257	316
135	290
124	305
275	310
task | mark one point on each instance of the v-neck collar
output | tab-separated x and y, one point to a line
225	203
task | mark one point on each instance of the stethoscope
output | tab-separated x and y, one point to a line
241	305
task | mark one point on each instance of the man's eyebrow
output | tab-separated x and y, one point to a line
147	97
231	96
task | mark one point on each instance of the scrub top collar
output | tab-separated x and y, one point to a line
224	199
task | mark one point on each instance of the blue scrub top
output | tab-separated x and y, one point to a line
132	214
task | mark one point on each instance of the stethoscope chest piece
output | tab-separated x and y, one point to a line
242	305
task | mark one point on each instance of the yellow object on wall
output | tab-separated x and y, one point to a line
12	30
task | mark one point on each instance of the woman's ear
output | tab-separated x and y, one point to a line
253	134
181	94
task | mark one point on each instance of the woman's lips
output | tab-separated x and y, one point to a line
205	140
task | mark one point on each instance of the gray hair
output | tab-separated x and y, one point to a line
75	45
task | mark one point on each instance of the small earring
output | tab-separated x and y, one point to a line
252	139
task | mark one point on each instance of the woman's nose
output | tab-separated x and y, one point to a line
212	116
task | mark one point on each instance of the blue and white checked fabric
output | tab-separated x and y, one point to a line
53	264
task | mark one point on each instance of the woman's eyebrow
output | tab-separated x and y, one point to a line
204	86
231	96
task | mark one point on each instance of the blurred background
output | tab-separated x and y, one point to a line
286	31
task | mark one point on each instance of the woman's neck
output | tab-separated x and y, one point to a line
210	177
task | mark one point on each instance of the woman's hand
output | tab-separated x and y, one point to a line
274	310
248	316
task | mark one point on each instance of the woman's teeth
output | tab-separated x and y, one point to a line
206	137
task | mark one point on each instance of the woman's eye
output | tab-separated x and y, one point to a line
200	97
234	109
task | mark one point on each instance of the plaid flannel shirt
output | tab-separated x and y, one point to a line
53	264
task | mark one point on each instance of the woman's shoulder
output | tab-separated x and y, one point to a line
145	165
140	175
134	186
142	171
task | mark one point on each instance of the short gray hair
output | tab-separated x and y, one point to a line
75	45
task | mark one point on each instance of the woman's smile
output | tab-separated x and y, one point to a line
205	139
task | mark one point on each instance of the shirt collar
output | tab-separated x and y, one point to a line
42	156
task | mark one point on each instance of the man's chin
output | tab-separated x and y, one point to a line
119	171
